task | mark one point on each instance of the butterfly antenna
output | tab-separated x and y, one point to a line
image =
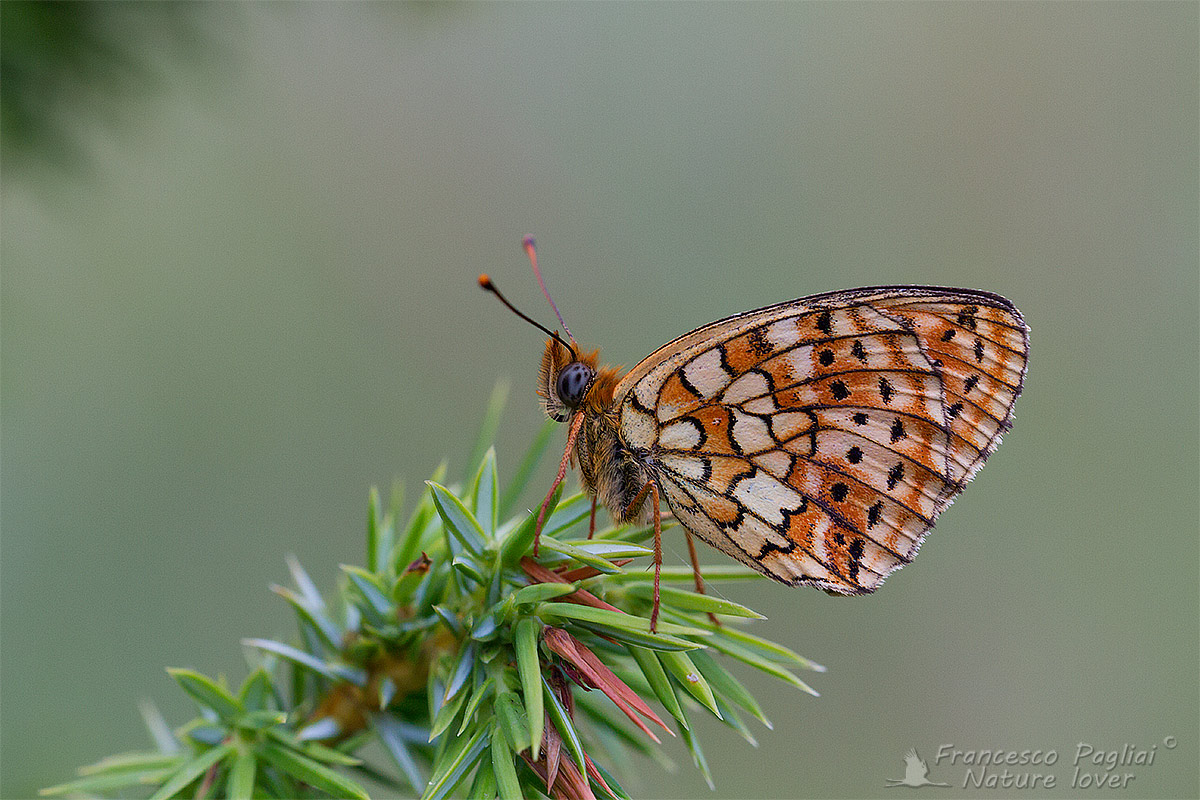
486	283
531	250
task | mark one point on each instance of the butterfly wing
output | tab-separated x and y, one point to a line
818	440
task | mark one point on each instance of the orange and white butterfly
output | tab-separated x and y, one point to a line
815	440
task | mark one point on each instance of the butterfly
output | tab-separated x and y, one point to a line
816	440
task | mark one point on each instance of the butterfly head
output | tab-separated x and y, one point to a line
565	381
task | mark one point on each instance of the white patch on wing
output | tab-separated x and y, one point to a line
751	384
776	462
706	374
637	427
754	529
766	497
761	405
686	466
751	433
783	334
683	434
646	391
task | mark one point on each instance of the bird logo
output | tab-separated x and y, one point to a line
915	772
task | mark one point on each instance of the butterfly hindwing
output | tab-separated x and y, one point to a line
818	440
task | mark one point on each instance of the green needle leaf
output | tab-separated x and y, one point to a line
373	530
484	493
563	723
694	601
447	714
680	665
131	761
410	544
540	592
755	660
503	767
241	776
725	685
614	619
372	590
525	640
256	692
192	770
207	692
459	521
610	549
652	668
484	691
517	543
333	672
392	733
306	770
712	574
459	759
689	738
314	750
579	554
111	780
511	716
652	641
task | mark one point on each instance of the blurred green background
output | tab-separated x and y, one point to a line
239	252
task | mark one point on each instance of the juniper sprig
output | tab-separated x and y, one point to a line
479	670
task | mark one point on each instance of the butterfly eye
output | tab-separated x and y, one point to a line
573	382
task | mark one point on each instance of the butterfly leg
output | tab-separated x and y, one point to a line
657	554
576	424
592	519
696	572
650	488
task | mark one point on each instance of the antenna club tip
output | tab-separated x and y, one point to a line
528	241
484	281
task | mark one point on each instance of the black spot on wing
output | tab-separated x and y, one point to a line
856	552
894	475
839	390
858	350
825	323
760	345
873	514
885	390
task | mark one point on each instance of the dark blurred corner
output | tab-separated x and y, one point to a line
70	68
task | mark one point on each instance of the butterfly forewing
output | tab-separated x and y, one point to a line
818	440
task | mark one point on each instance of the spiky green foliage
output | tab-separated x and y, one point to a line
466	660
